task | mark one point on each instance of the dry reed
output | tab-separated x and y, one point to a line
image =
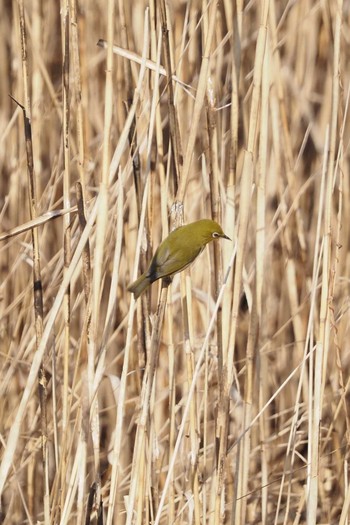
227	402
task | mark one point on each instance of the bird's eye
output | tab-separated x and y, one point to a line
215	235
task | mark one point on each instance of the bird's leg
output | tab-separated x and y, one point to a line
166	281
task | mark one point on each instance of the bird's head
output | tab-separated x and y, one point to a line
209	230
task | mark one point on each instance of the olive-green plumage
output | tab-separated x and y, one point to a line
178	251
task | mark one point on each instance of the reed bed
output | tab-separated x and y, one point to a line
223	398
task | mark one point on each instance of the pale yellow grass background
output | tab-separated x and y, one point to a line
252	130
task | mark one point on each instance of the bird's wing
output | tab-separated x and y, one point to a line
168	264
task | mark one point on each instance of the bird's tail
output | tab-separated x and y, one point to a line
139	286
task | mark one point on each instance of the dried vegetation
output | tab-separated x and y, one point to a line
223	399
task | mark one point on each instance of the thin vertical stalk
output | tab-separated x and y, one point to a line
37	281
260	258
147	387
323	339
173	120
101	227
200	96
236	28
186	302
78	95
65	23
243	452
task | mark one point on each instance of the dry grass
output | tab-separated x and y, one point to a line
223	404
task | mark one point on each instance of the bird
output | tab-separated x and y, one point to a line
177	252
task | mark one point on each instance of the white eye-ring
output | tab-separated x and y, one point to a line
215	234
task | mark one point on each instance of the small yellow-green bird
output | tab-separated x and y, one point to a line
178	251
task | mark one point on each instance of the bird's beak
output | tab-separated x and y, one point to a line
226	237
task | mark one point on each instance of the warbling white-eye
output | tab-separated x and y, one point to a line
178	251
